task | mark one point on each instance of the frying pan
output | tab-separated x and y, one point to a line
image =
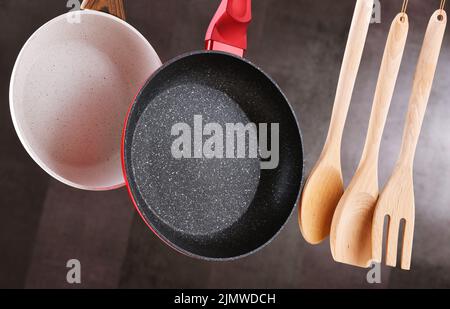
71	88
213	209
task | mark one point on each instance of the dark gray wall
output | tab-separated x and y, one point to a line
300	43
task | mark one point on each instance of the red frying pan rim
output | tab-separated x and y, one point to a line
128	185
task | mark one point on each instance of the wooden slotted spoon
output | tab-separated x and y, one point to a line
351	226
397	199
325	186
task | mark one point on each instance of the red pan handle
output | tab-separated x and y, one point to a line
228	28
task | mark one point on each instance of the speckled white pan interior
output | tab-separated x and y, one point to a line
70	91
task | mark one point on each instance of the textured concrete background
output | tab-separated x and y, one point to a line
300	43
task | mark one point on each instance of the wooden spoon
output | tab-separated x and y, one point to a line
113	7
324	187
352	221
397	198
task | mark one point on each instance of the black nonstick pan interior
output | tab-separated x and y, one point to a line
210	208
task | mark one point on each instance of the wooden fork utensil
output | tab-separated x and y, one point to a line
397	199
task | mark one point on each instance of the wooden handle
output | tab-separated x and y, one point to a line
349	70
423	81
387	78
113	7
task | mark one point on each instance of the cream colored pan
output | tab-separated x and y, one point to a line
70	91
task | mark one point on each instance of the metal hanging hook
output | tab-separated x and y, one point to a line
441	8
404	7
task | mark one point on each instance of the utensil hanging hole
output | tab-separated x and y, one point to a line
440	17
